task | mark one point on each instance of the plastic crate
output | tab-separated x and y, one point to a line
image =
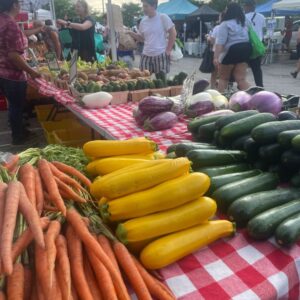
42	113
51	126
72	138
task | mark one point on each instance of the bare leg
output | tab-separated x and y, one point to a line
240	73
213	79
224	73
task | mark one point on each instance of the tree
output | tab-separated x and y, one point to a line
64	8
220	5
131	12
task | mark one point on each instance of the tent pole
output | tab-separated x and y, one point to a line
200	38
52	6
112	31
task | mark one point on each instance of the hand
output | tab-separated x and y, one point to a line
216	62
168	52
33	74
62	22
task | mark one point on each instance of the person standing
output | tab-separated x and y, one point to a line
51	38
13	68
294	74
158	33
288	31
83	32
258	22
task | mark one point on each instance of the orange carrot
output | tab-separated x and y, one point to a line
65	178
2	296
104	280
63	267
74	293
126	262
72	171
3	189
91	280
56	291
105	244
28	281
12	164
39	193
76	261
68	191
157	289
9	223
83	233
25	239
50	237
27	178
31	215
15	283
50	208
39	292
51	185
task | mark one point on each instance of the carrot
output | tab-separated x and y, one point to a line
32	217
63	265
65	178
83	233
51	185
39	193
157	289
39	292
56	291
70	194
72	171
50	237
2	296
12	164
25	239
126	262
74	293
15	283
76	261
50	208
104	280
9	223
105	244
91	280
27	178
27	283
3	189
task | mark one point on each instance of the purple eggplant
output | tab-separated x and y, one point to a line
162	121
200	86
140	117
152	104
199	109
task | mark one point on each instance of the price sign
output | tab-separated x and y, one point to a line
34	61
52	61
73	67
187	88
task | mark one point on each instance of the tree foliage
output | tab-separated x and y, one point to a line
131	12
64	8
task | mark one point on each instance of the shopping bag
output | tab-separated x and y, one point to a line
176	53
126	41
207	65
258	48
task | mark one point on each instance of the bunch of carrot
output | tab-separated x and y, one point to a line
60	255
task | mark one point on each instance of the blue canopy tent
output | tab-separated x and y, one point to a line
266	8
287	7
177	10
270	6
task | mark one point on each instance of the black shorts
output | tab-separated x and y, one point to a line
238	53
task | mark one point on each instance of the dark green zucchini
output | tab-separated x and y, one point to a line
271	153
287	115
288	232
296	143
183	148
206	132
268	133
263	226
238	144
295	180
218	181
220	123
252	149
291	159
244	126
228	193
285	138
171	148
261	165
249	206
194	125
216	137
211	157
216	171
171	155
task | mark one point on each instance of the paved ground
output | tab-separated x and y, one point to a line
276	77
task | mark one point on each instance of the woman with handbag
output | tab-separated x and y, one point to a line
233	48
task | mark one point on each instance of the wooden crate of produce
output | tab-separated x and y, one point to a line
119	97
175	90
138	95
165	92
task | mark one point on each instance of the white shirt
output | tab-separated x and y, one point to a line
258	23
154	31
214	35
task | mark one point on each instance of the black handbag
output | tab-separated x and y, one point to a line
207	65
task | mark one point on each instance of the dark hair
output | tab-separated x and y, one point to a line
7	5
235	12
48	23
152	3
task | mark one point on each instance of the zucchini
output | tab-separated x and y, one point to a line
288	232
268	133
171	155
287	115
171	148
197	122
261	165
264	225
238	144
291	159
216	171
245	208
285	138
218	181
295	180
216	137
271	153
244	126
296	143
230	192
211	157
252	149
183	148
206	132
223	121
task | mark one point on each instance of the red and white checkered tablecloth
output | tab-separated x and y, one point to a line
237	268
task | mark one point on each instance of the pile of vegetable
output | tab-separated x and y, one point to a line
157	205
54	245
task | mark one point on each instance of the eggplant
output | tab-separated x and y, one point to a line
200	86
287	115
141	117
152	104
199	108
162	121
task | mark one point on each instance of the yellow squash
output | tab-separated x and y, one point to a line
168	249
107	148
137	247
162	223
165	196
133	181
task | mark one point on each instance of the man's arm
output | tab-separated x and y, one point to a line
55	39
171	41
77	26
29	32
137	36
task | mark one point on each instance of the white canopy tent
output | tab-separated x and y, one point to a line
33	6
287	5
